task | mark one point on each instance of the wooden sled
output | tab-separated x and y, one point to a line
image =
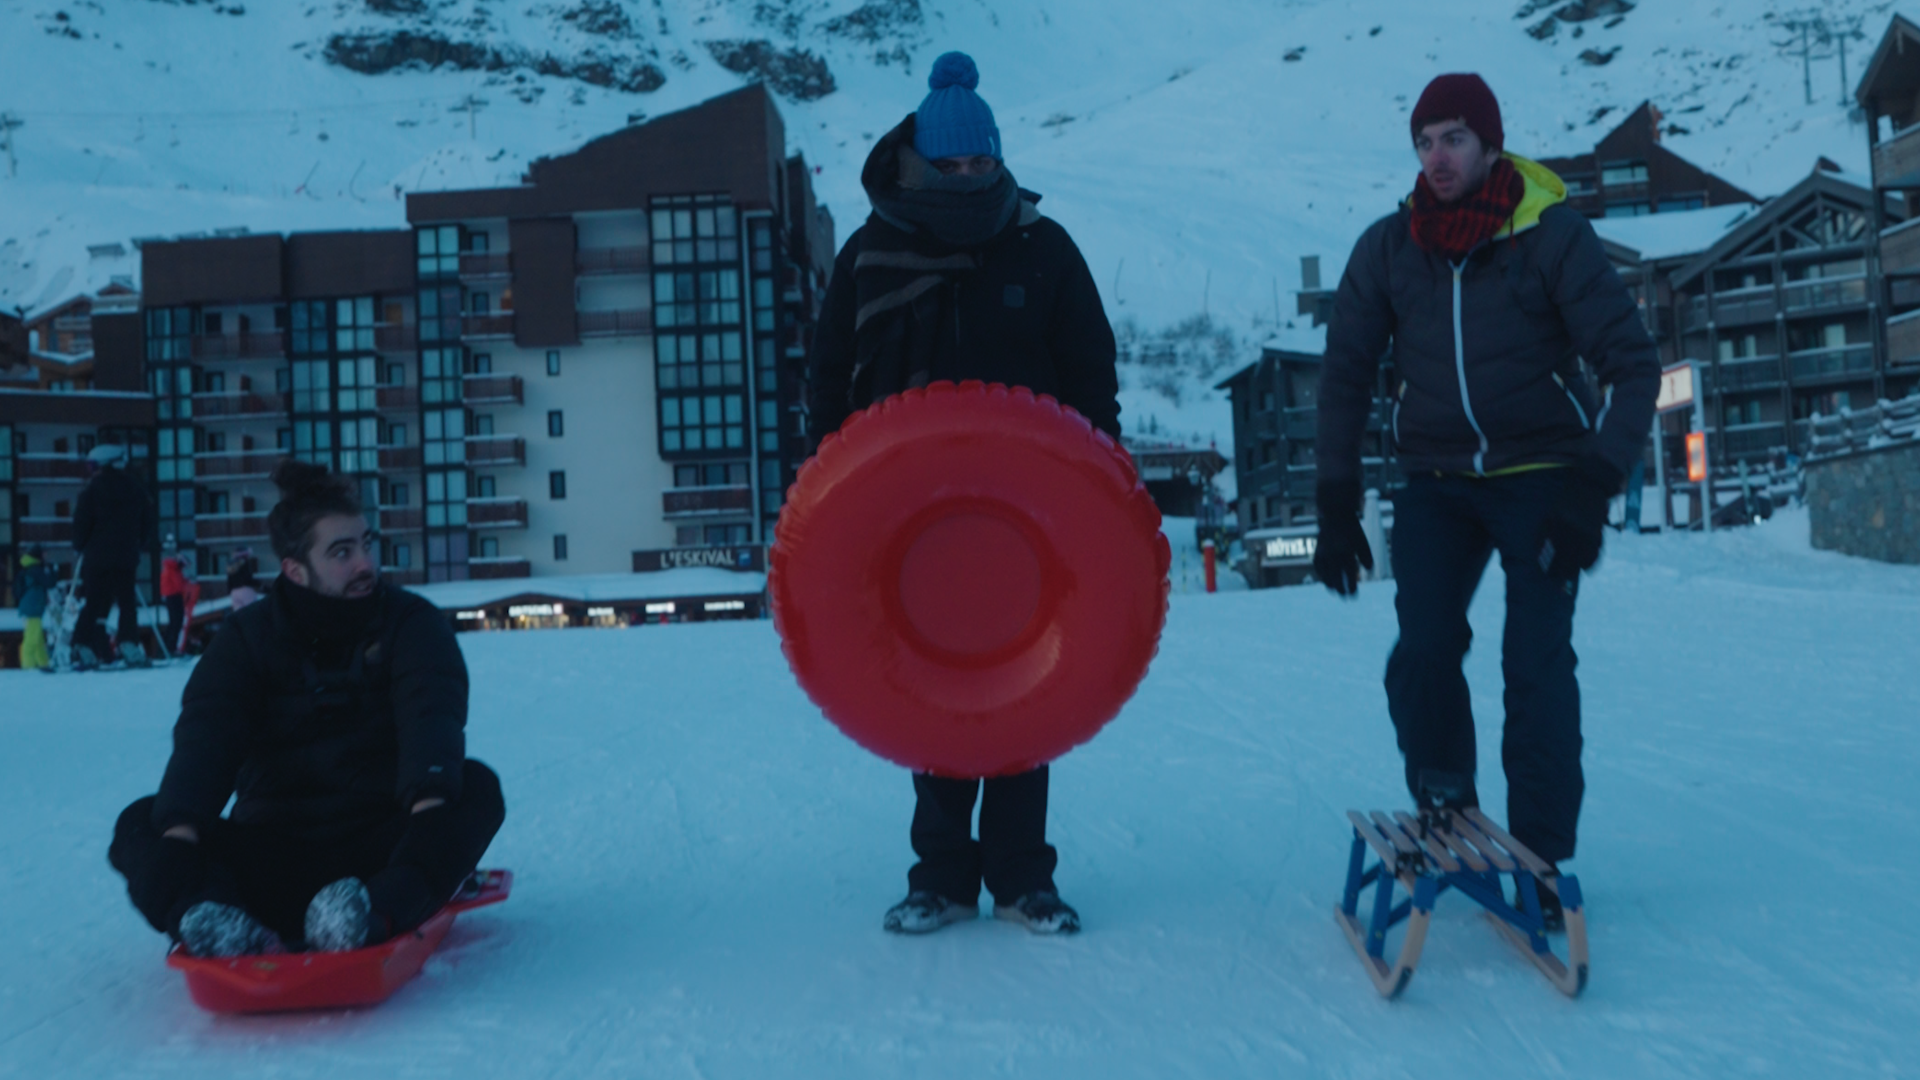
1459	850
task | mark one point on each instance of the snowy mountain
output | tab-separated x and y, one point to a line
1195	155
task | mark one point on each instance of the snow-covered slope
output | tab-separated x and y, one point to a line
703	862
1196	152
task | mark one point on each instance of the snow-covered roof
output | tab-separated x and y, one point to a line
1674	233
596	588
1300	338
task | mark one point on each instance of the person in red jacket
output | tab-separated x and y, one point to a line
176	570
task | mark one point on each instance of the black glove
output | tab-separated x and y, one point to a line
173	875
1342	547
1570	535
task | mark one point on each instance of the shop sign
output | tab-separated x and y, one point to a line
663	608
534	611
1290	548
470	616
601	613
726	605
1676	388
742	557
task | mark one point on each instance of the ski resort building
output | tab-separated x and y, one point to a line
558	377
1629	174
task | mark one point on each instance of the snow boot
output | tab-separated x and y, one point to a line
1042	912
1552	916
85	659
339	917
214	929
924	912
134	655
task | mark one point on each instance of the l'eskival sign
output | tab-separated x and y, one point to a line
743	557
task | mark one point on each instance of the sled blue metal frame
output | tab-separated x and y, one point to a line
1467	853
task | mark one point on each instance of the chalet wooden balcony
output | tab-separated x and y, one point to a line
1746	373
707	501
49	469
615	323
1903	339
1844	362
492	389
492	264
252	345
503	512
1301	424
484	327
491	567
396	398
239	406
399	457
395	519
235	465
231	526
1900	250
1734	307
612	260
496	450
1896	162
46	530
1802	296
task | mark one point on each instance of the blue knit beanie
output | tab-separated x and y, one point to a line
952	120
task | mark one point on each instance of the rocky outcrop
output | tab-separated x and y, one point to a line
793	73
378	52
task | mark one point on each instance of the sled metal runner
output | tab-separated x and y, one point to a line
1460	850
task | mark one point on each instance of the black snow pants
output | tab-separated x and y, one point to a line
1012	855
411	863
1445	529
105	588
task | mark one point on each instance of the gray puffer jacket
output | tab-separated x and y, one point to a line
1487	354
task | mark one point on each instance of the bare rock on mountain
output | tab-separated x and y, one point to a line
792	73
378	52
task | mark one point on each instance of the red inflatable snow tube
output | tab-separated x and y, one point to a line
969	580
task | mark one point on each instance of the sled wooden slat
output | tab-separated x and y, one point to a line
1489	850
1520	851
1391	830
1435	850
1381	846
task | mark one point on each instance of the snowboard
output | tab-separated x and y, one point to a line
330	980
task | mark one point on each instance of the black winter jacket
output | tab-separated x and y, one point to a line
1030	316
319	738
112	521
1487	356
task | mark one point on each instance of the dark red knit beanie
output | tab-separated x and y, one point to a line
1461	97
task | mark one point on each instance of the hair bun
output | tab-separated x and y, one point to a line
954	69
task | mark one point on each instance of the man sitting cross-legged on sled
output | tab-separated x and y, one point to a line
336	713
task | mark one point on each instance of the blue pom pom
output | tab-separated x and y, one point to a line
954	69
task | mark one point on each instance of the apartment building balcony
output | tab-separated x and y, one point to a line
252	345
616	323
485	450
1746	373
486	568
416	575
1900	249
241	526
1733	307
493	390
396	398
612	260
500	512
49	469
1903	339
720	500
44	530
395	337
1802	296
393	458
1896	161
1753	439
235	465
486	327
244	405
1302	424
398	519
1845	362
490	264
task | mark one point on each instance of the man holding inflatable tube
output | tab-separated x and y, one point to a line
956	276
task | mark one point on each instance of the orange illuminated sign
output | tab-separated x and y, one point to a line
1697	456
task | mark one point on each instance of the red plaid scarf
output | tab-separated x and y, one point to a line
1453	230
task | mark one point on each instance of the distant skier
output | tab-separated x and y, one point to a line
176	573
31	586
243	587
1489	293
112	525
335	712
956	275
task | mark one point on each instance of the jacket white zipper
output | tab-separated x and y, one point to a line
1568	390
1460	364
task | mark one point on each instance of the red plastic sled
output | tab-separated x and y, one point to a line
969	580
256	984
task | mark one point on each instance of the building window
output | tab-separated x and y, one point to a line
402	556
560	547
483	487
489	547
1623	172
700	228
1634	209
711	474
728	535
439	251
483	423
557	484
553	361
706	422
686	536
556	424
479	363
283	439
